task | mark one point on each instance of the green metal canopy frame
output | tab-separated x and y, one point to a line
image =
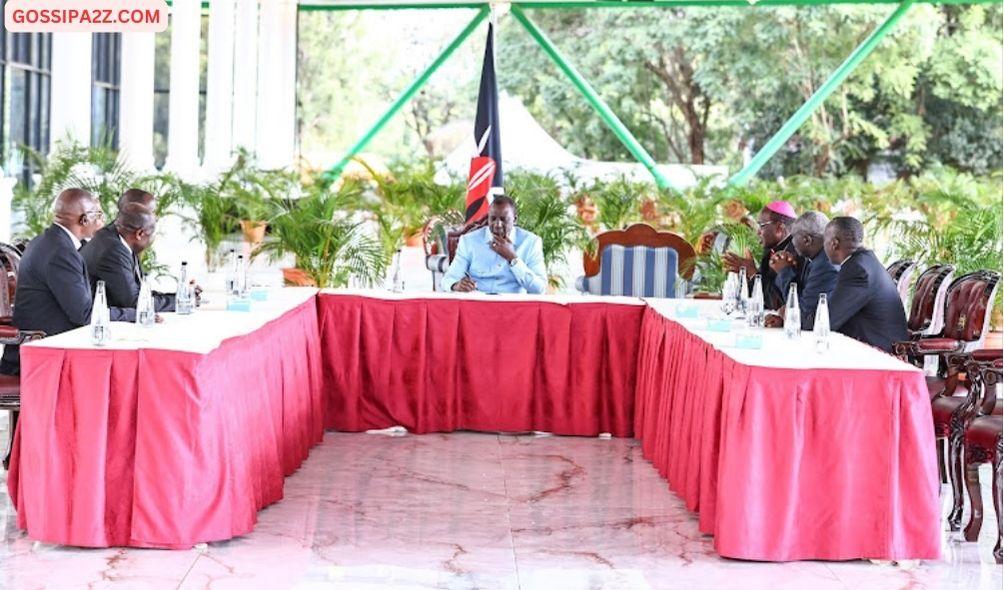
621	131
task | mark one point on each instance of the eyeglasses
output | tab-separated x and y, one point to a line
765	224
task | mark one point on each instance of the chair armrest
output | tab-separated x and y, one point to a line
927	347
437	262
9	335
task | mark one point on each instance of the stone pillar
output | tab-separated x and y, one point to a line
183	106
276	133
246	75
136	100
70	110
220	86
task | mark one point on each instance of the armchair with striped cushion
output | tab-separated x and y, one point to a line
638	261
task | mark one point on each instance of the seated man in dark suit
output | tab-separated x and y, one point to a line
773	230
865	304
53	291
112	256
812	272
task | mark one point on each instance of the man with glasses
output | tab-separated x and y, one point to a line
774	227
53	291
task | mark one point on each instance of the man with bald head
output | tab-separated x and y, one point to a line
865	303
53	292
139	196
113	255
811	270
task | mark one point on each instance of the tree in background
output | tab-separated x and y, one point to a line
698	85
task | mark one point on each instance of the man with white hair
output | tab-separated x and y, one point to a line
815	275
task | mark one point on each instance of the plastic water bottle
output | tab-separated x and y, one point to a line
821	328
145	314
183	303
754	315
742	300
100	318
792	314
396	283
241	279
230	280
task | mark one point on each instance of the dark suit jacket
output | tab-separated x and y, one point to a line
865	304
773	297
109	260
816	275
53	291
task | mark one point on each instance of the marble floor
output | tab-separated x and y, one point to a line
471	511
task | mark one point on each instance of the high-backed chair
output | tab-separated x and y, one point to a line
439	239
926	313
982	442
10	385
10	262
637	261
967	308
902	272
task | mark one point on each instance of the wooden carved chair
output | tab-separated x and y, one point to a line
926	314
902	272
637	261
967	313
10	385
439	239
982	443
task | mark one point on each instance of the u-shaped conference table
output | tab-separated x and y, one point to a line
178	434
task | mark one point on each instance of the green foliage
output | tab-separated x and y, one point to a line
543	211
619	201
403	200
329	244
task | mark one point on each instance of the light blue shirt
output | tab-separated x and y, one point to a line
491	272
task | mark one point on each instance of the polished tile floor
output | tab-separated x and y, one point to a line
472	511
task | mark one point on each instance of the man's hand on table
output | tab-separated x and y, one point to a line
465	285
773	320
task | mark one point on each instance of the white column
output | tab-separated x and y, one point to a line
136	100
277	83
6	198
183	104
246	74
70	113
219	86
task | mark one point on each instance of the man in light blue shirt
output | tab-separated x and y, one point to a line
499	258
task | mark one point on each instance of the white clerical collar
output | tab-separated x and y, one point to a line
76	240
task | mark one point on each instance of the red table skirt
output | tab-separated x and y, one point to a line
438	365
785	464
158	448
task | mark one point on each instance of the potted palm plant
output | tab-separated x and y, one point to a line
543	211
329	244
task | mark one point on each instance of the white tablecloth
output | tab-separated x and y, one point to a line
200	332
777	351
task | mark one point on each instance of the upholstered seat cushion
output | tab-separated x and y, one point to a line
10	388
935	385
983	432
942	409
637	271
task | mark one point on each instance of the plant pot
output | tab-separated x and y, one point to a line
296	277
254	231
414	240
